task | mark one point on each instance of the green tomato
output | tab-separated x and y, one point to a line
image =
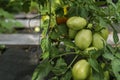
107	77
76	23
83	39
81	70
104	33
72	33
98	41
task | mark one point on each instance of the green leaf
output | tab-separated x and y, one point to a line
115	36
117	55
102	22
110	2
26	5
94	64
97	70
18	24
5	14
84	12
42	70
108	55
45	55
45	44
116	68
67	76
95	53
7	24
98	75
60	67
54	78
68	43
62	29
110	49
54	35
53	51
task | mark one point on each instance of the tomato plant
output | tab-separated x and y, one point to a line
59	51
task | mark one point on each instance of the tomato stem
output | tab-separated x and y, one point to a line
62	55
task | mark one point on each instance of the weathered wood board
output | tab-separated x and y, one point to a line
20	39
29	23
33	39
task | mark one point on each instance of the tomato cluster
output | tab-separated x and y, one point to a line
86	37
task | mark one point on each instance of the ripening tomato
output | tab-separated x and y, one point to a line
81	70
72	33
76	23
83	39
98	41
104	33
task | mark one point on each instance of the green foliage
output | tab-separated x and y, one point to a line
56	45
14	6
6	22
41	71
60	67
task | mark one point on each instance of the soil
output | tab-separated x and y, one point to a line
18	63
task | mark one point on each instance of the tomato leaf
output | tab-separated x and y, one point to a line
67	76
94	64
42	70
110	49
102	22
108	55
60	67
54	51
54	35
54	78
116	67
117	55
98	75
69	43
97	69
45	55
63	29
45	44
115	36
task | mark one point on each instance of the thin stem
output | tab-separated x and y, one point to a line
69	66
49	17
61	55
72	61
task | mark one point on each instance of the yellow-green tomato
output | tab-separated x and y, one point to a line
98	41
76	23
104	33
81	70
72	33
107	76
83	39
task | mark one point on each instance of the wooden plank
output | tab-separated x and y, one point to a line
24	15
27	23
26	20
34	39
19	39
